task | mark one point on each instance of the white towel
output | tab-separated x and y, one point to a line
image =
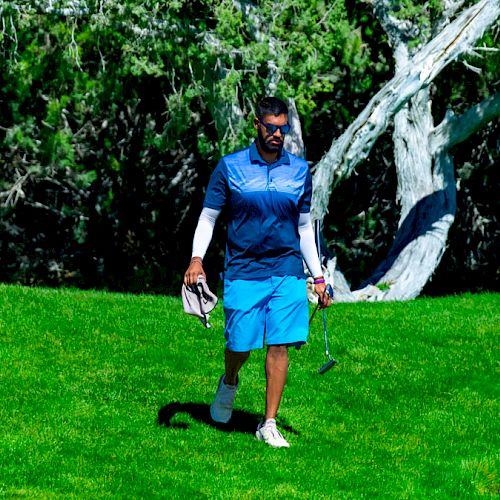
198	300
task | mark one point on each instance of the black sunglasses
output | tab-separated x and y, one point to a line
271	129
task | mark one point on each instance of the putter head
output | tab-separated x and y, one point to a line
329	364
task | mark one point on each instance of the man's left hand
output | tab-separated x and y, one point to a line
324	298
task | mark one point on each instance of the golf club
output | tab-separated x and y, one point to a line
331	361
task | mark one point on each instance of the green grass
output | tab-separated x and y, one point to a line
106	395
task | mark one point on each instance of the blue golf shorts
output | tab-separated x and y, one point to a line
274	311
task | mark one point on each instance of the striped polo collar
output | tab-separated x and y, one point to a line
283	159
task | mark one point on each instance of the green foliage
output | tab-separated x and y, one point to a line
422	16
384	286
113	118
101	111
486	60
103	397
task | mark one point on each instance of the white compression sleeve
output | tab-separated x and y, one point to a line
204	231
308	245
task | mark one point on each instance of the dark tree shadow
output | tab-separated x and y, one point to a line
241	421
419	221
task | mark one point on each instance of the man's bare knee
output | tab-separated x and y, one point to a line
277	351
240	356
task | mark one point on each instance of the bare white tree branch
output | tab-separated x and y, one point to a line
354	145
456	129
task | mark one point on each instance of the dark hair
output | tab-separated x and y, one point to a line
271	106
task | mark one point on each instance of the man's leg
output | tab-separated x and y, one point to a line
234	361
276	373
287	323
221	408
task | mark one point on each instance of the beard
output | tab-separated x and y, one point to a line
268	145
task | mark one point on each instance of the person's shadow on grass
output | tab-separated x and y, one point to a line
241	421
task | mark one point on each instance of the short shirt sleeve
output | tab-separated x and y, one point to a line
217	190
305	199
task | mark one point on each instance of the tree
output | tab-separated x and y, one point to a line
86	144
422	152
113	115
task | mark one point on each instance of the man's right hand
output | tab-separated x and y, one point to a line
194	270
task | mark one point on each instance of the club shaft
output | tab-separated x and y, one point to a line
325	335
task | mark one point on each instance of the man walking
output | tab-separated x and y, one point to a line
267	193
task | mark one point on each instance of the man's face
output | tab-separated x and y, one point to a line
268	141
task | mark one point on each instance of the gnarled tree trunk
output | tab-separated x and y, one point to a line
426	186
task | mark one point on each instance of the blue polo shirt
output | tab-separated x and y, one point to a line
263	204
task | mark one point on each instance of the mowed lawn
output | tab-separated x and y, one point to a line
106	395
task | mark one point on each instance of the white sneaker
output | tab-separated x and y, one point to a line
268	432
221	408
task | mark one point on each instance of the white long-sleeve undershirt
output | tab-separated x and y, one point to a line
308	245
204	231
205	228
